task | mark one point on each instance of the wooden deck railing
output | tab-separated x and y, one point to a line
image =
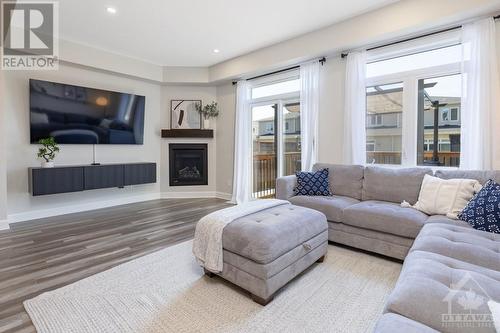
450	159
265	172
265	168
383	157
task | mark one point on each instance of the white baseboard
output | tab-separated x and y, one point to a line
223	195
38	214
4	225
198	194
188	195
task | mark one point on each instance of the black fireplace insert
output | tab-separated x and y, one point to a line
188	164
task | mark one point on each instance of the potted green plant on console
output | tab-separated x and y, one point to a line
208	111
48	151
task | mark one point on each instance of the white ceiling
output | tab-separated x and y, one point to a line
185	32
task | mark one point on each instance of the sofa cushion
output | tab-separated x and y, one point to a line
431	287
332	206
370	240
394	185
385	217
462	243
266	235
312	183
345	180
391	323
483	211
446	220
445	196
481	175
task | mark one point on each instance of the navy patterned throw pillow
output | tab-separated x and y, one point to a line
483	210
312	183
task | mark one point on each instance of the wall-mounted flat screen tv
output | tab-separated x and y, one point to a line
79	115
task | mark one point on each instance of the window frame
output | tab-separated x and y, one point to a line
409	80
273	79
280	100
458	114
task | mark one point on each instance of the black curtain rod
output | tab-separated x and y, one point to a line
344	54
322	62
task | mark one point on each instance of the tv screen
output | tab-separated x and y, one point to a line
79	115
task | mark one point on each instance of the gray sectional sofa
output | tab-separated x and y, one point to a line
365	210
450	269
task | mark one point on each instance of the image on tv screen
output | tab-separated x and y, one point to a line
78	115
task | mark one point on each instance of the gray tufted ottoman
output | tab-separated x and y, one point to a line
265	250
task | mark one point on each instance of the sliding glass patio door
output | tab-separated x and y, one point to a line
276	144
265	164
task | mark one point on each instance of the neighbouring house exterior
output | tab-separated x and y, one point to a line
384	128
263	132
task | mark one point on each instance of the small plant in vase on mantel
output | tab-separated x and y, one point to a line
48	151
208	111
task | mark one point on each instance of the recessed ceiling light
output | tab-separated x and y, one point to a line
111	10
216	50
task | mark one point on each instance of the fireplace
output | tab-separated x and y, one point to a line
188	164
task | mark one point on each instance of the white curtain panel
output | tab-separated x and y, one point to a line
242	145
480	89
355	109
309	110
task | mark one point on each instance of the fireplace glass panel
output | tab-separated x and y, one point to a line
188	164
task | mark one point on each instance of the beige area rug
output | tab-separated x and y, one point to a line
167	292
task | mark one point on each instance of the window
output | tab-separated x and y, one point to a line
413	107
269	127
445	115
289	86
375	120
370	146
412	62
439	96
275	111
384	106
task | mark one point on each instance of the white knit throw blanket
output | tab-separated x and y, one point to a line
207	244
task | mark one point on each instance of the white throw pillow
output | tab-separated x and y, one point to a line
445	196
495	313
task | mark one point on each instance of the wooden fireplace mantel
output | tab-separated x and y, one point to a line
187	133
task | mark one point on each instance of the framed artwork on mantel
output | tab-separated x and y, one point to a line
184	114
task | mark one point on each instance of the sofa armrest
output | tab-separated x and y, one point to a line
285	186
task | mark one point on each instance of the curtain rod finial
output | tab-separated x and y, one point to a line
344	55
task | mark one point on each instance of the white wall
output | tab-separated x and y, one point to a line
116	72
3	164
21	154
332	75
332	78
207	95
402	19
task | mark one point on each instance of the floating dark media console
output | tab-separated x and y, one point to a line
76	178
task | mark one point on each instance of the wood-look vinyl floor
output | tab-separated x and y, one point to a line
42	255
